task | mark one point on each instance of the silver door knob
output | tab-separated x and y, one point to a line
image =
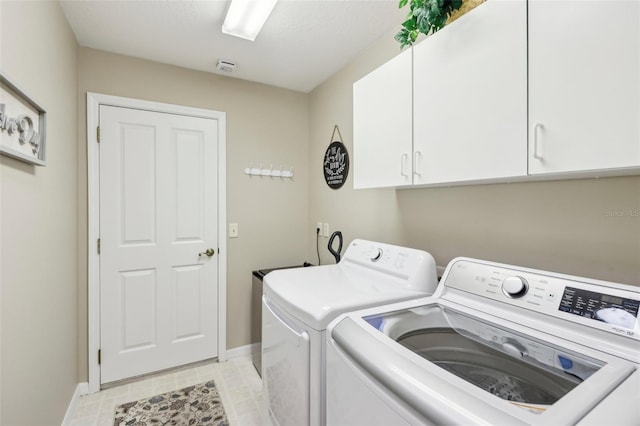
209	252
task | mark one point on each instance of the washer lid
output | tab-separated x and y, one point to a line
317	295
438	376
523	370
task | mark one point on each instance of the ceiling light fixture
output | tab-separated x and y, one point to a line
245	18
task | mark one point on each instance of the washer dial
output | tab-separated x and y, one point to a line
515	287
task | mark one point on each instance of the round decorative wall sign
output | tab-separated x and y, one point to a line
336	162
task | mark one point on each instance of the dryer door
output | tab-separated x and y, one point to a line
285	367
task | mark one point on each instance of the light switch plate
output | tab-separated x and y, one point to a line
233	230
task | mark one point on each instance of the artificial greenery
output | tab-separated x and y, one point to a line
425	16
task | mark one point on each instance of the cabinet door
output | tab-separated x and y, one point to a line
382	125
470	97
584	88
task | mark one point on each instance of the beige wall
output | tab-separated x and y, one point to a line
38	223
588	227
264	124
369	214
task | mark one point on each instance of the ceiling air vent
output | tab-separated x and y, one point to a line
225	66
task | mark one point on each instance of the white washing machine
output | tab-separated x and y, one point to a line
497	345
298	304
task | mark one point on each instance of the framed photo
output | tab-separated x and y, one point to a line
23	125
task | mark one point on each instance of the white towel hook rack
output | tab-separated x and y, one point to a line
261	171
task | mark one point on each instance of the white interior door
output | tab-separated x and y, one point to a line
158	213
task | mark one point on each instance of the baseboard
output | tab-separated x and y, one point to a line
243	350
81	389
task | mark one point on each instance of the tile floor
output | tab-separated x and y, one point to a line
238	382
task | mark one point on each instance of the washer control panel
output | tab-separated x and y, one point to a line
607	306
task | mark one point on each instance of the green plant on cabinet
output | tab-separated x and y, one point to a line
425	16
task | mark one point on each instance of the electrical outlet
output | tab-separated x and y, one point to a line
233	230
325	230
319	228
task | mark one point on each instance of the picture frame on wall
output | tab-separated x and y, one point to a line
23	125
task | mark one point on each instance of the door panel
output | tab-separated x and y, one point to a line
187	290
188	148
158	211
139	311
138	183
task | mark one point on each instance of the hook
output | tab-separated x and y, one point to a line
282	172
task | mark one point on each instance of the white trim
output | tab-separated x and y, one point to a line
81	389
94	100
93	224
222	237
242	351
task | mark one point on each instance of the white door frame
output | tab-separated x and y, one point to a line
94	100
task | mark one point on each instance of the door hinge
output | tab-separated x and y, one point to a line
99	245
99	356
98	130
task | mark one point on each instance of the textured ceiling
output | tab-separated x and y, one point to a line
302	44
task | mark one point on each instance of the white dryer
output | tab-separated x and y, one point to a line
497	345
298	304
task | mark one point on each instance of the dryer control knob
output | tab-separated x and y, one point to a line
377	255
515	287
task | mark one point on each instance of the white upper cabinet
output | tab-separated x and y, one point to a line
382	120
470	97
584	85
514	90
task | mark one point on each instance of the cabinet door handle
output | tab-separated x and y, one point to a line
403	164
537	148
416	158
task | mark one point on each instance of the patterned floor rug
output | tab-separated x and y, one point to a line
193	406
